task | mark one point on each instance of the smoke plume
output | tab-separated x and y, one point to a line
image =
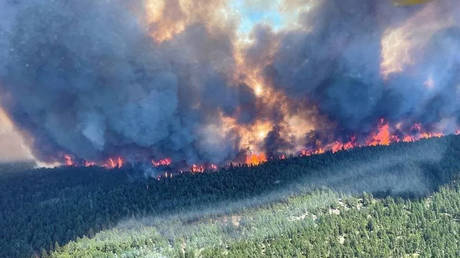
154	79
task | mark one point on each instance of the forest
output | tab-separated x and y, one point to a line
380	201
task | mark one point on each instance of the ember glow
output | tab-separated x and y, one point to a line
113	163
383	135
90	164
255	159
162	162
68	160
196	85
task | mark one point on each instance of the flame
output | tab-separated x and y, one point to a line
422	134
382	136
68	160
120	162
408	138
213	167
340	146
256	159
198	168
427	135
385	134
251	136
310	152
113	163
163	162
90	164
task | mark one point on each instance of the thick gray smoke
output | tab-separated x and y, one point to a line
86	78
335	59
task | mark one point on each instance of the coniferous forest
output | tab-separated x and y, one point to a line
399	200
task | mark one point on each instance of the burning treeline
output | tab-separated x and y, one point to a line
176	82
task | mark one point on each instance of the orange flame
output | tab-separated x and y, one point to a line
408	138
162	162
113	163
339	146
256	159
309	152
202	168
198	168
90	164
68	160
382	136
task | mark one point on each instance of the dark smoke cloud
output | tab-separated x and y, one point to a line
334	60
86	78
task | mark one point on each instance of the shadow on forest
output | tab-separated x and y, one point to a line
45	207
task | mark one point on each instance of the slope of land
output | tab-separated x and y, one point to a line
397	200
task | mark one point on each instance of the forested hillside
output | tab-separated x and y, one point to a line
397	200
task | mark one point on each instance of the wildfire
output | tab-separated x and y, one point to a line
68	160
162	162
333	147
198	168
251	136
256	159
408	138
202	168
339	146
309	152
113	163
213	167
382	136
90	164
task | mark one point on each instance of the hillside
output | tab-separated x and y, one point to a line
398	200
